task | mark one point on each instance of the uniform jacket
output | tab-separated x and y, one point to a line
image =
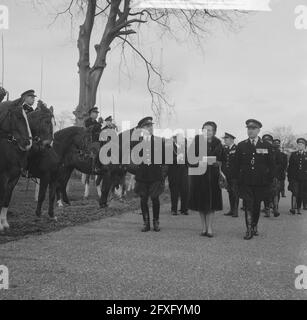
298	166
228	161
254	165
148	171
281	164
96	128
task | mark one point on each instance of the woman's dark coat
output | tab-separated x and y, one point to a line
205	192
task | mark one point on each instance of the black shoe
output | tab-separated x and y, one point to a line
203	234
292	211
210	235
276	214
267	213
185	213
236	215
146	228
229	214
255	232
249	235
156	227
174	213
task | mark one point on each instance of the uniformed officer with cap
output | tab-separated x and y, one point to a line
108	124
281	168
28	98
268	202
228	163
150	176
92	123
254	171
297	176
178	175
282	174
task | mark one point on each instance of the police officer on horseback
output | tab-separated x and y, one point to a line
28	98
92	123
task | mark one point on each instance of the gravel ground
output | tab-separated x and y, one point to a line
112	259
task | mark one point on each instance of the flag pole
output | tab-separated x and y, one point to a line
2	41
113	108
42	78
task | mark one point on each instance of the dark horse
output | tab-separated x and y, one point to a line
111	174
68	153
43	162
15	142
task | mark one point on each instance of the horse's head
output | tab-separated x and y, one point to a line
14	125
41	124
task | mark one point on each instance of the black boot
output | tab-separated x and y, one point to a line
293	205
255	231
146	227
145	213
248	218
276	206
267	212
156	214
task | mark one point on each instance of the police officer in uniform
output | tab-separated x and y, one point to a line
228	162
281	168
297	176
178	176
254	171
28	98
150	176
268	202
92	123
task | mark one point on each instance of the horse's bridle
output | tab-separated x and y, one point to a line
9	135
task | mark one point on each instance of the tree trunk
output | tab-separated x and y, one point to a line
90	76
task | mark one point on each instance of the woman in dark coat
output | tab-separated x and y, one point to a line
205	192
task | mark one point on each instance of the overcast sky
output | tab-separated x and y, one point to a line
259	71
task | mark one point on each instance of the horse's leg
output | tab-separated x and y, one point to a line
105	190
12	181
87	187
124	187
52	191
37	190
98	185
59	196
67	176
41	195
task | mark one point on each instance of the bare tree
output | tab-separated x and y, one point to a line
121	22
286	136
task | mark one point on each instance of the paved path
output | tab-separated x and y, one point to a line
112	259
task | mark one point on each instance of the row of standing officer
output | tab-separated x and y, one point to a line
256	171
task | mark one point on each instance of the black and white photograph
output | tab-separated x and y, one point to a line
153	153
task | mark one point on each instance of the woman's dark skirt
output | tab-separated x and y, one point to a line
205	192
